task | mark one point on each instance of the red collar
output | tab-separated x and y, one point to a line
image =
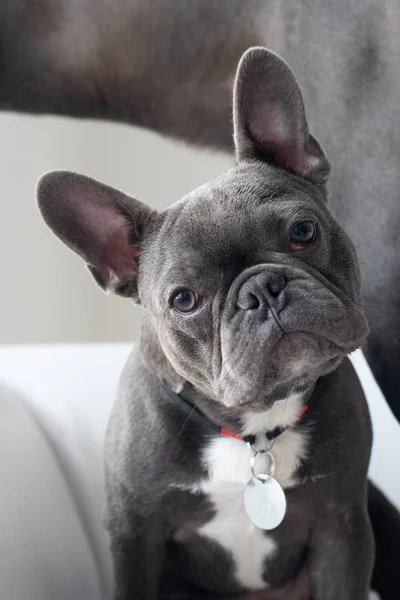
270	435
195	414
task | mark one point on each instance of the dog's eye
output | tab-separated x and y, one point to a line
186	301
302	234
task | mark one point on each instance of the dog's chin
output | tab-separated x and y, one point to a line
297	360
295	352
300	354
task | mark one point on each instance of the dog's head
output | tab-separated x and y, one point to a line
253	286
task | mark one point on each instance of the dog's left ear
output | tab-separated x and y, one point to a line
107	228
269	118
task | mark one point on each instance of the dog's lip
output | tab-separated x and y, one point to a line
294	336
298	333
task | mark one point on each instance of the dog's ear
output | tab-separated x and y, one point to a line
103	225
269	118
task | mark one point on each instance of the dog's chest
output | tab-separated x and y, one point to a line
228	463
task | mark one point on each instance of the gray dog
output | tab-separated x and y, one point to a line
238	449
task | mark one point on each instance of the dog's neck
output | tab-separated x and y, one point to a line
281	412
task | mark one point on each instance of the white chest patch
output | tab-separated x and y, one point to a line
228	463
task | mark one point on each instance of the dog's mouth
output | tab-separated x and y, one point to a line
294	344
294	361
297	350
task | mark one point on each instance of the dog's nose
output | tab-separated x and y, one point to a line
260	289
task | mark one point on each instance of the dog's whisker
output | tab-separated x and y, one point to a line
188	417
284	407
364	243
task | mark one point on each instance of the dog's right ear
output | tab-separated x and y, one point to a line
269	118
101	224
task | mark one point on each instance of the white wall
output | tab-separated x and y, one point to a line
46	294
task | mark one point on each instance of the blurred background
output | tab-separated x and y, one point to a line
47	295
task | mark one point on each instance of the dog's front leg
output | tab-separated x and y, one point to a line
138	560
341	557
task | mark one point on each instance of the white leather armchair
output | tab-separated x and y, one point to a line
54	406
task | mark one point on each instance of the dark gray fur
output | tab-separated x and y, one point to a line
229	241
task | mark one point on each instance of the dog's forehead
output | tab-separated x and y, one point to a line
236	202
229	222
247	185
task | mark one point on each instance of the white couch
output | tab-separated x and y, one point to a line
54	406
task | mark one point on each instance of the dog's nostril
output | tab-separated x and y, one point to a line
248	301
259	290
253	302
276	284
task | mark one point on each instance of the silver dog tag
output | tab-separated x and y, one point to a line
265	502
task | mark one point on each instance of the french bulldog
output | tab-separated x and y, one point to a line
238	448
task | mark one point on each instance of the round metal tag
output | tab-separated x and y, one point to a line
265	502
